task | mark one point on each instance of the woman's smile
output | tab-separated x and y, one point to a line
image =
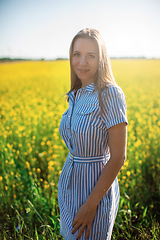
83	70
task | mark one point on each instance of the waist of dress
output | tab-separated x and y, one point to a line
102	158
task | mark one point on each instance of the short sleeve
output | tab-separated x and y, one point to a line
114	106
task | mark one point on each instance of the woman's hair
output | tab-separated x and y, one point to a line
104	73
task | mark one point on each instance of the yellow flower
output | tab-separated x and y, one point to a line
137	143
8	145
52	184
1	178
48	143
21	128
38	170
27	164
126	163
128	173
11	162
44	139
55	146
30	150
51	163
46	186
55	155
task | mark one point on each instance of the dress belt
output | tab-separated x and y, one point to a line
76	159
102	158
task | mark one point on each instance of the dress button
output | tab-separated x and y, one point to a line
82	112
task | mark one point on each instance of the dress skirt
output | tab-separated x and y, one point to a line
77	179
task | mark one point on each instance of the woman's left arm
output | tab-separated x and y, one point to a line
117	144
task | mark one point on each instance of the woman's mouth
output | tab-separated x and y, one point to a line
83	70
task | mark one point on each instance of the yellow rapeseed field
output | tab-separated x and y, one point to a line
32	152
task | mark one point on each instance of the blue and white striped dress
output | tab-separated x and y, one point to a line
84	130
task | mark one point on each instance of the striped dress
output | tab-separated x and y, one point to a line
84	130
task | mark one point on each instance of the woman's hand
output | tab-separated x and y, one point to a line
84	219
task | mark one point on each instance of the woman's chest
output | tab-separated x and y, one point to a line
84	115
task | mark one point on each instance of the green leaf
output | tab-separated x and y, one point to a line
145	212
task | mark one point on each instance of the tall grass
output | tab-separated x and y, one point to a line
32	152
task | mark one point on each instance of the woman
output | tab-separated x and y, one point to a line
94	130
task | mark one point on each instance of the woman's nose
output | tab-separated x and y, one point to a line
83	61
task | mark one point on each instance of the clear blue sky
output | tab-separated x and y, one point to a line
45	28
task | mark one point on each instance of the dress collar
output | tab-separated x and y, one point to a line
90	87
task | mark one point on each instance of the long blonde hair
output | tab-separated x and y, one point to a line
104	74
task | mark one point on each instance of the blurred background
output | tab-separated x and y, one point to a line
38	29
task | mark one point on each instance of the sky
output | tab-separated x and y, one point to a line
44	28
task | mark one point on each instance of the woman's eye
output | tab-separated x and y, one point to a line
91	56
76	54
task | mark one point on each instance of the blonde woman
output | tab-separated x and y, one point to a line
94	129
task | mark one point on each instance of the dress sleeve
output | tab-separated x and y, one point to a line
114	106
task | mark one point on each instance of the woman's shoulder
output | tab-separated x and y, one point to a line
112	90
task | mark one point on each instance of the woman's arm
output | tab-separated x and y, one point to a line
117	144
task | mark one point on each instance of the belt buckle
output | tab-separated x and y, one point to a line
71	159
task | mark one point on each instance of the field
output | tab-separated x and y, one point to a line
32	152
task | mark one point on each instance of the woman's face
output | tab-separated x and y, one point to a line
85	60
